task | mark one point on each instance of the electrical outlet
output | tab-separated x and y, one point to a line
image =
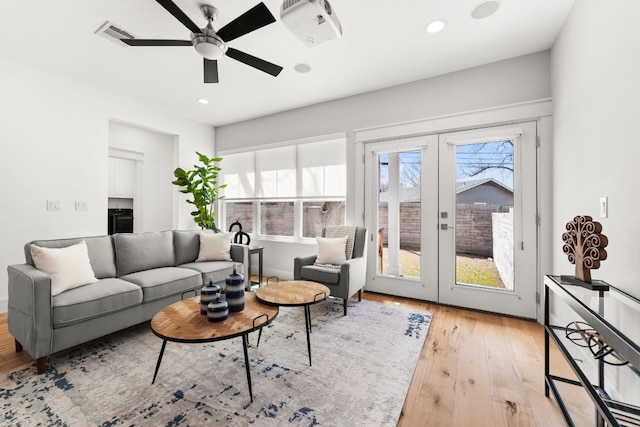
81	205
54	205
604	207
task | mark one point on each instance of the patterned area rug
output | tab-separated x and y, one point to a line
362	367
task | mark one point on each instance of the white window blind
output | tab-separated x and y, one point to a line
239	175
286	190
323	169
276	172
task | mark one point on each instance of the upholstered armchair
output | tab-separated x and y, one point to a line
343	280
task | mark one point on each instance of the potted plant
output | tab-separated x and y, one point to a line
202	183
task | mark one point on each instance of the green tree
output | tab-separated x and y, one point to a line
202	183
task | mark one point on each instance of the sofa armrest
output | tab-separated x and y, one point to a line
30	309
240	254
299	262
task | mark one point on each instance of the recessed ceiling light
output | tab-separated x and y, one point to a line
485	9
203	101
435	26
302	68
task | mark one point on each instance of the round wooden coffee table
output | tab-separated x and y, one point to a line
295	293
182	322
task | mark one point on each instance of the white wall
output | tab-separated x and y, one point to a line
596	93
54	146
153	211
514	81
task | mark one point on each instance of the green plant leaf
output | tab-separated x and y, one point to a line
201	182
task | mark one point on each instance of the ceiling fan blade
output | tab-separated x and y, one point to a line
141	42
173	9
210	71
251	20
254	62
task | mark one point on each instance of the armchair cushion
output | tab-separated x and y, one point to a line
331	250
316	273
343	230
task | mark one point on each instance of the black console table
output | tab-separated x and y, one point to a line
596	330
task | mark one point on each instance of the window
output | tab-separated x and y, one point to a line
293	190
316	215
241	212
276	218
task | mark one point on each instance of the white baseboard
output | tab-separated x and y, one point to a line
4	305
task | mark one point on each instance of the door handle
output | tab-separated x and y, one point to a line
446	227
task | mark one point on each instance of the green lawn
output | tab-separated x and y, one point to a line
470	269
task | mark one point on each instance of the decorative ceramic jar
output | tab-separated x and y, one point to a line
217	311
235	291
209	293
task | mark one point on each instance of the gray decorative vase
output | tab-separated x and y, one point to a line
209	293
234	290
217	311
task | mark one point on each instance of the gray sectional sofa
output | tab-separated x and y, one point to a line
138	275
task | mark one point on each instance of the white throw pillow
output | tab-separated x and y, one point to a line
343	230
331	250
68	267
215	247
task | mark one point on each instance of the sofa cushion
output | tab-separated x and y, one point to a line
165	281
186	245
215	247
100	251
143	251
97	299
216	271
68	267
315	273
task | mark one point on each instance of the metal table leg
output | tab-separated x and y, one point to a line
164	344
308	316
259	336
246	364
307	321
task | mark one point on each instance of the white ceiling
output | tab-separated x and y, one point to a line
383	44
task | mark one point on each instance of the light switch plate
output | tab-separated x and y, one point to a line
54	205
604	207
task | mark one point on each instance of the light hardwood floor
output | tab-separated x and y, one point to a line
475	369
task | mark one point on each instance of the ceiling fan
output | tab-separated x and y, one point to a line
211	44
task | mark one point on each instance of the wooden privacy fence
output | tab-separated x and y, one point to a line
474	230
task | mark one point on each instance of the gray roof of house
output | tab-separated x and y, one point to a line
462	186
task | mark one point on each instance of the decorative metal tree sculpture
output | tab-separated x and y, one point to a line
584	245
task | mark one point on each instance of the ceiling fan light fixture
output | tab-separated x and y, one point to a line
210	47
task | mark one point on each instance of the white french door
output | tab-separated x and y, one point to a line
401	197
453	218
487	203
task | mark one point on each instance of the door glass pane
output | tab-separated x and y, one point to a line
484	214
399	214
